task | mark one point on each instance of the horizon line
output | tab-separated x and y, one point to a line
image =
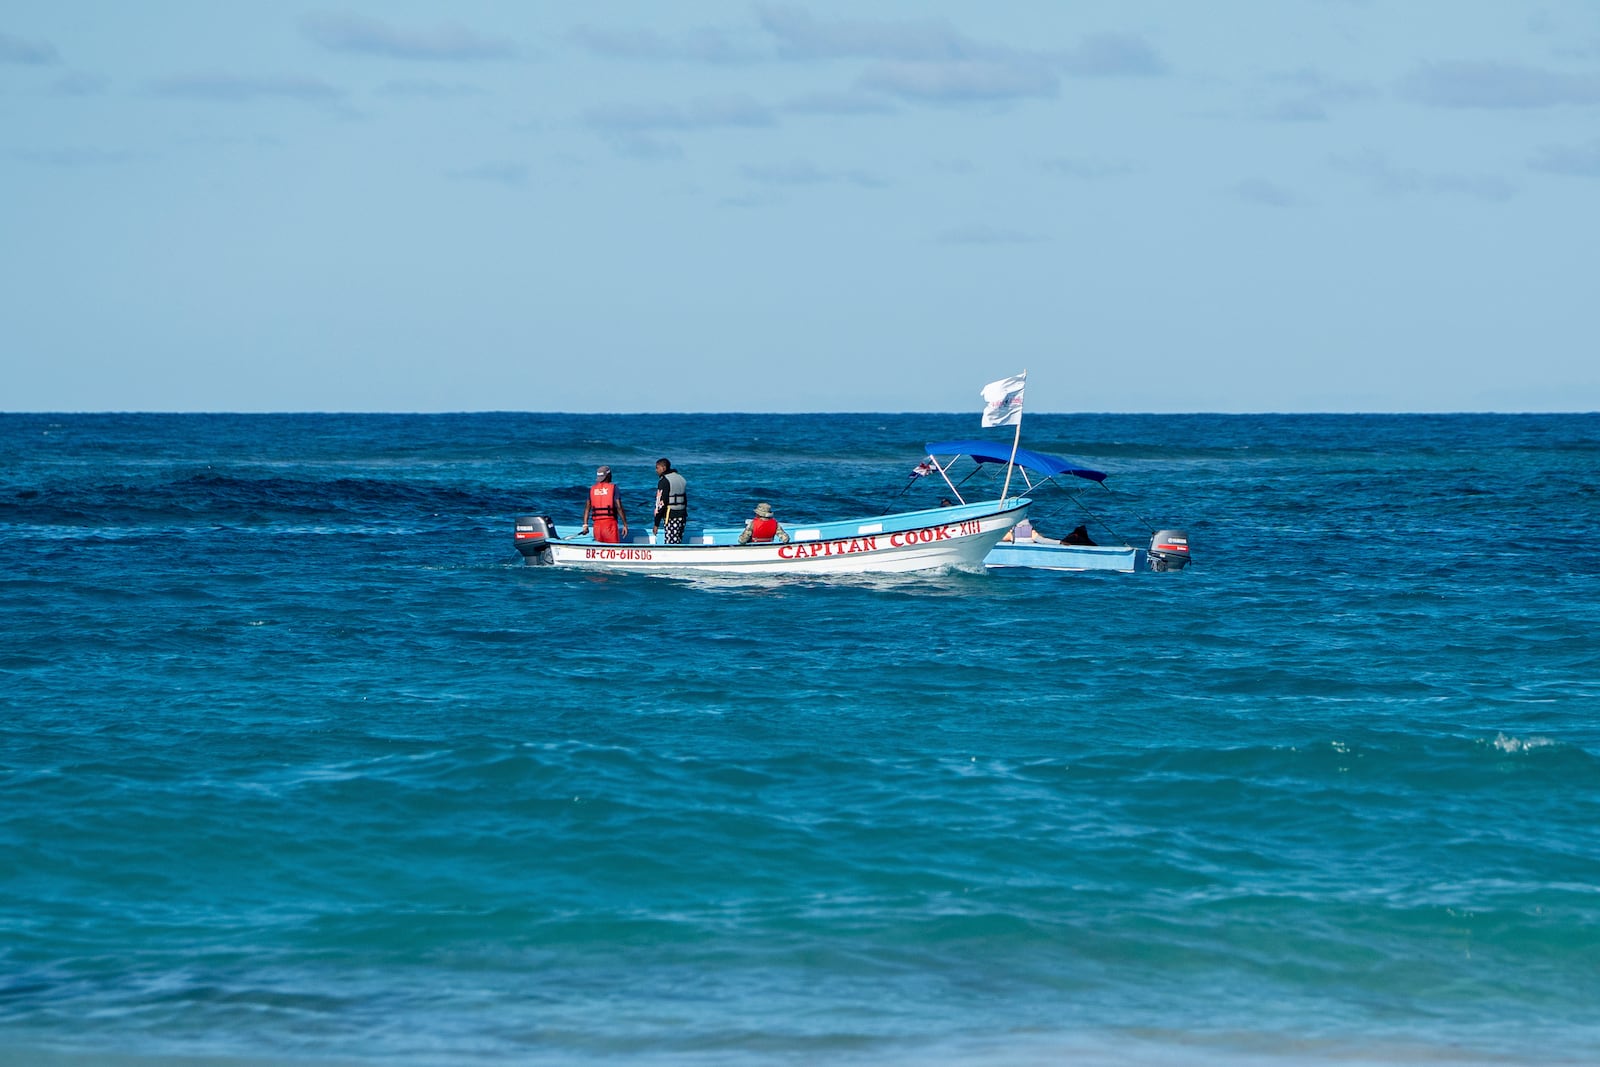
831	414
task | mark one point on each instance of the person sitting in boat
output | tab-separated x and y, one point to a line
1078	536
606	508
763	527
1024	533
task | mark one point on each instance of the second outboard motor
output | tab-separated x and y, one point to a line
533	538
1169	550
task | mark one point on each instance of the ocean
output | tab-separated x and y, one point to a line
300	764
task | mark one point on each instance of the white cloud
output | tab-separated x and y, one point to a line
802	172
802	36
422	88
1580	161
701	114
980	234
1113	55
845	103
448	43
693	46
499	173
1498	85
963	81
232	88
1391	180
26	53
1262	192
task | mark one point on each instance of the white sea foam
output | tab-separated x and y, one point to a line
1516	744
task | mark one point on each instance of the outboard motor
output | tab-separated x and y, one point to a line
533	538
1169	550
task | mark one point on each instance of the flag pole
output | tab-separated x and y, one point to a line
1015	440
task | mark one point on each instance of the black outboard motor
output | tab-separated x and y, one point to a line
1169	550
533	538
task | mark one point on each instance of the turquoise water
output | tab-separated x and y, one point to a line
299	764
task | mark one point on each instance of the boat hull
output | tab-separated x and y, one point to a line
1120	559
890	544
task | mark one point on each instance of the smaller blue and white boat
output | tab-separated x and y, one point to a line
1025	545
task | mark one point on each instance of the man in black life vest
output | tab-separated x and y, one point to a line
672	502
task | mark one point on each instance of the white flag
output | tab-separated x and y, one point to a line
1002	401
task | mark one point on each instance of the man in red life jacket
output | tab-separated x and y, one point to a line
607	509
763	527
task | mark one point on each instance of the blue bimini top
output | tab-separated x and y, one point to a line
989	452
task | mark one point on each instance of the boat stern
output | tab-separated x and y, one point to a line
533	536
1169	550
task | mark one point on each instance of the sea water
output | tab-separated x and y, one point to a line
300	764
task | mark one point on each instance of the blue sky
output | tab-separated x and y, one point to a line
1307	205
